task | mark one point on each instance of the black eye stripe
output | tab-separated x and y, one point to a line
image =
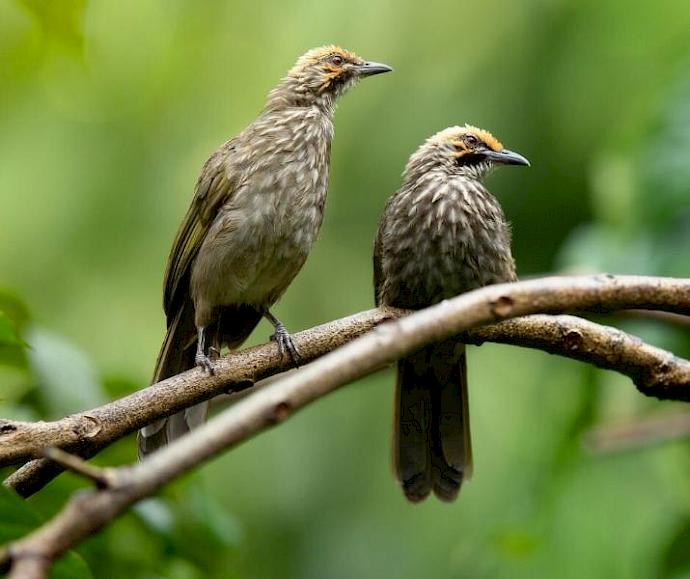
469	159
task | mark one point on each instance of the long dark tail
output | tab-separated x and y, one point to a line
177	355
432	448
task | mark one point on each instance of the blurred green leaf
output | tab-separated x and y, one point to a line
194	525
16	512
14	308
61	20
13	318
663	161
14	375
676	561
202	525
156	514
71	566
202	516
8	335
67	378
599	248
17	519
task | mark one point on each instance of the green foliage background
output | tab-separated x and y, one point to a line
107	112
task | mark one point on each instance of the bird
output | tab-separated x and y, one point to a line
256	211
441	234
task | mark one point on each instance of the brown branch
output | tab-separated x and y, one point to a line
32	567
670	318
68	461
83	432
34	475
655	372
88	512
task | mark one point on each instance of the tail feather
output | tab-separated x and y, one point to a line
432	437
412	436
177	355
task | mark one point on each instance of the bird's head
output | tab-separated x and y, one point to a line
466	151
323	74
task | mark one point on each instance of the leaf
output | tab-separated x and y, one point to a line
68	381
8	333
62	20
14	308
13	318
18	518
206	518
195	527
15	513
156	514
676	561
71	566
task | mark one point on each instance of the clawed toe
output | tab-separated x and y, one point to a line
205	363
287	346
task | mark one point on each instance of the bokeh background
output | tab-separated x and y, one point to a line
107	112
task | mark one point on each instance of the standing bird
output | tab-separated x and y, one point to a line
257	209
441	234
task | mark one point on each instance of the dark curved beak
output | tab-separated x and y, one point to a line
506	157
372	68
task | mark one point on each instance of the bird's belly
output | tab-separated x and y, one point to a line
432	278
276	260
258	248
434	268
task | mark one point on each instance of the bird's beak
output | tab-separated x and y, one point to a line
372	68
506	157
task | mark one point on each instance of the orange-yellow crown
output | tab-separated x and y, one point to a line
316	54
455	136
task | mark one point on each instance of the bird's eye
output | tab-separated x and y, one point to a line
336	59
471	140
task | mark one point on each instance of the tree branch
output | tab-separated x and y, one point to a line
655	372
96	428
99	476
88	512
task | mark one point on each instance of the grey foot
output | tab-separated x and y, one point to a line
286	345
205	363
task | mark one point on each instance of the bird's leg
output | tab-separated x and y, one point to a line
283	339
201	359
214	348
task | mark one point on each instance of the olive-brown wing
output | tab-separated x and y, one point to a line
214	188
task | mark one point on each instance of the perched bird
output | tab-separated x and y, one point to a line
441	234
257	209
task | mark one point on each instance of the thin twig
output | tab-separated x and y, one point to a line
642	433
99	476
670	318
